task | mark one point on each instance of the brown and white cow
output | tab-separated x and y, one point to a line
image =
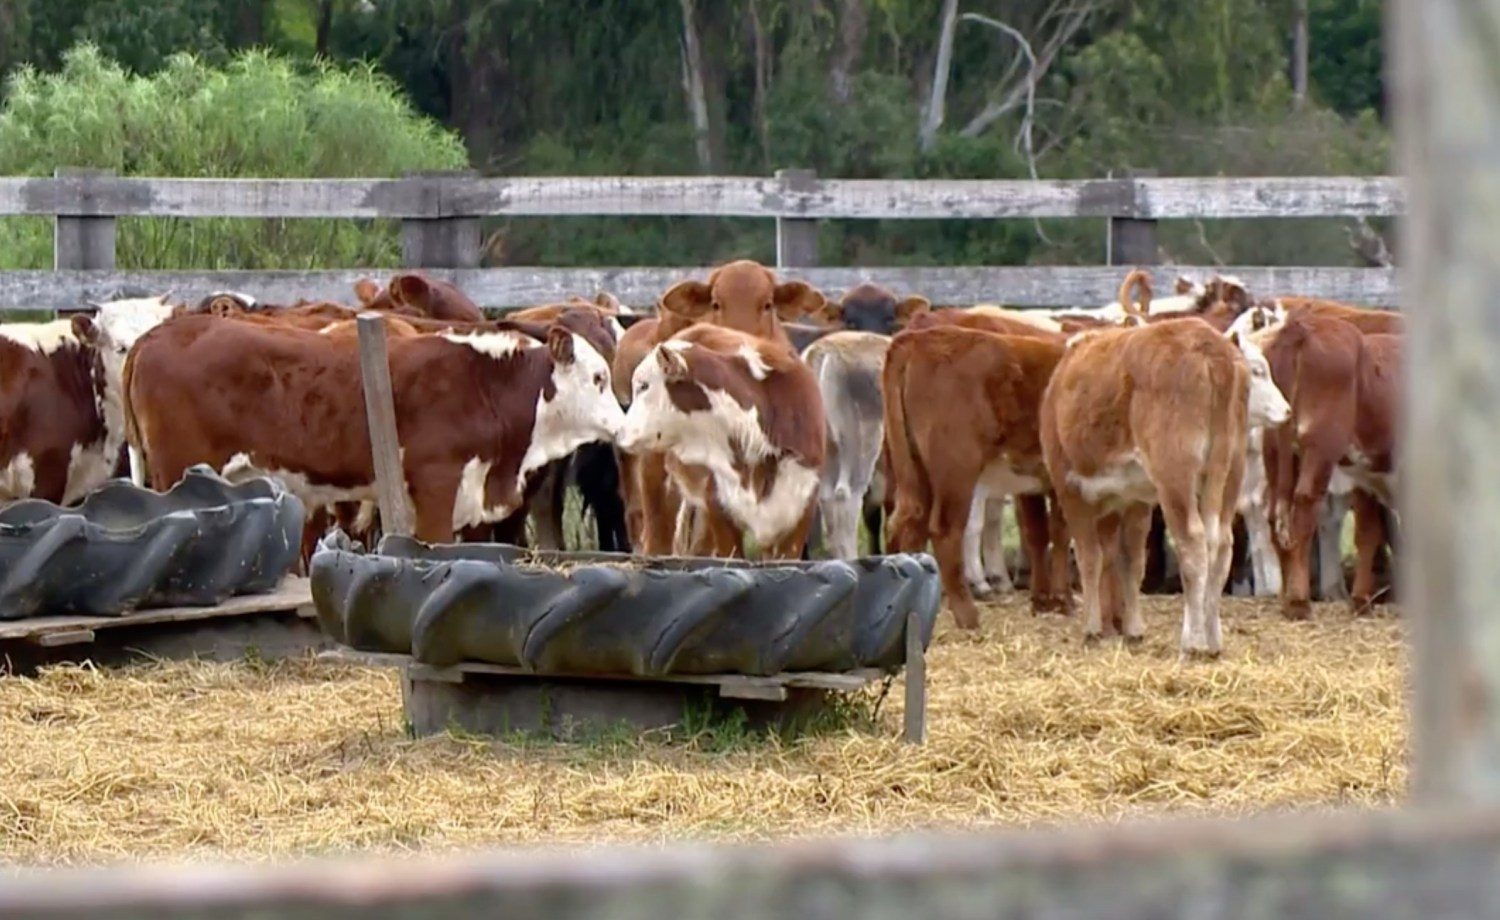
741	295
961	411
476	413
1344	389
414	293
746	412
62	426
1156	414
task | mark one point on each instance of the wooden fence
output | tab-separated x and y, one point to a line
440	218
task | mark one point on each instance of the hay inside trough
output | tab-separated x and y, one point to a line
1027	726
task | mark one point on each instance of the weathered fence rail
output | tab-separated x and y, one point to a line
440	216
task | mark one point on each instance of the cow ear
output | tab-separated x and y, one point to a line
85	329
831	314
1237	297
688	299
366	290
607	303
560	345
411	290
795	299
1234	339
673	363
1183	285
912	307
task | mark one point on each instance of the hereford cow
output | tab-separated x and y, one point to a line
745	411
62	427
961	409
413	293
1344	389
476	414
1156	414
742	295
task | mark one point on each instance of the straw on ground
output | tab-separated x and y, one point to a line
256	760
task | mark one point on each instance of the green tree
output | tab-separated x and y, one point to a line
257	116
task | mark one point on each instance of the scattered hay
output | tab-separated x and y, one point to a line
255	760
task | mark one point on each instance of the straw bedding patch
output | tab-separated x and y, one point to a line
254	760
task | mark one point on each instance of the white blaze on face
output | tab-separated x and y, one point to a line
582	409
1268	407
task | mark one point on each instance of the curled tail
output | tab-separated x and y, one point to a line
1140	280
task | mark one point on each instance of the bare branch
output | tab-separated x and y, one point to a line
933	117
1369	245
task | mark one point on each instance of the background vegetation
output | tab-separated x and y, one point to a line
338	87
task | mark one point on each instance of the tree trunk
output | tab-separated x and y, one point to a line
250	23
854	21
324	27
1299	54
693	84
762	82
933	117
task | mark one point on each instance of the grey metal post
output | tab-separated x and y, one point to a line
380	410
796	237
83	242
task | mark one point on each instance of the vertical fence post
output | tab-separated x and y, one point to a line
1448	129
439	241
82	243
380	412
796	237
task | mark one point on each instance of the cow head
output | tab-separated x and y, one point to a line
743	295
116	325
871	308
1268	407
1263	315
580	404
414	292
662	398
1227	290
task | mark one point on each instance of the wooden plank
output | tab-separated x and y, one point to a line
914	727
735	687
1015	285
83	242
713	196
64	637
385	444
1436	866
295	593
444	242
1449	103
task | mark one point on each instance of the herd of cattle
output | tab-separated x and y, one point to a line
751	414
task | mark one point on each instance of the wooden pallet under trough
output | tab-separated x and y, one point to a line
491	699
274	625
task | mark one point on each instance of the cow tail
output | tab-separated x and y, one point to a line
906	471
1286	438
1140	281
135	443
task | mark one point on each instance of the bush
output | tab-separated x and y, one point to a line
260	116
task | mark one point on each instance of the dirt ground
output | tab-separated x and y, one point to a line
252	760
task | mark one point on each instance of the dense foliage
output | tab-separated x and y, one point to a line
746	86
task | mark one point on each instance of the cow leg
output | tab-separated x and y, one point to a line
630	497
840	523
1185	523
546	508
1241	566
1107	529
1031	520
1369	537
1059	573
979	586
1330	547
1156	556
1296	536
872	510
659	500
722	537
950	515
313	528
1081	526
1265	566
1135	528
432	496
992	547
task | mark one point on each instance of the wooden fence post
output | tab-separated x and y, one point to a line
380	411
441	241
796	237
82	243
1448	120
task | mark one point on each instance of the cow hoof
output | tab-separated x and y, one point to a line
1297	610
1001	587
1134	641
980	589
1091	639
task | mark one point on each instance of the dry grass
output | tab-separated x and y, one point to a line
251	760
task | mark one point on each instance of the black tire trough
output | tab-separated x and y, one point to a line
125	548
608	613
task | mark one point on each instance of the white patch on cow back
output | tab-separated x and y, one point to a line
757	366
44	338
1123	481
18	478
89	467
493	344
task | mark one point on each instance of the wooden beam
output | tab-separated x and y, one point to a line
712	196
1448	119
914	729
385	444
1437	866
1015	285
796	237
86	243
